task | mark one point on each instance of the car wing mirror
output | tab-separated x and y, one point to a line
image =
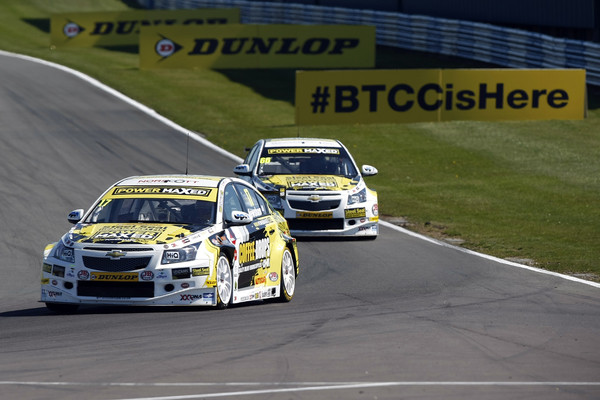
240	218
75	216
369	170
242	169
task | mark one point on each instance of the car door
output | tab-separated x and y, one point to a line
255	254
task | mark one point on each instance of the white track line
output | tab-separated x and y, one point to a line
152	113
299	386
488	257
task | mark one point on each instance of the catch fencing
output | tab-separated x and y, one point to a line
488	43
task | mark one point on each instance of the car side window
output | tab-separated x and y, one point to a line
252	157
255	205
231	202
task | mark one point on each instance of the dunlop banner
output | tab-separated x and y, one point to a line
383	96
122	28
258	46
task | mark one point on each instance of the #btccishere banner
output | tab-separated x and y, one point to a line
122	28
258	46
389	96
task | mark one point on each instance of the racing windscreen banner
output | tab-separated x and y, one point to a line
123	28
433	95
258	46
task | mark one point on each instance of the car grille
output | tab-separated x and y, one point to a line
118	249
322	205
115	289
305	224
115	265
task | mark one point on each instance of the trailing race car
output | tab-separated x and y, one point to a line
315	184
172	240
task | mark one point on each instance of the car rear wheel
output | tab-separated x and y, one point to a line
288	276
224	283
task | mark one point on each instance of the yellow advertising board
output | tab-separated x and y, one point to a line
390	96
120	28
258	46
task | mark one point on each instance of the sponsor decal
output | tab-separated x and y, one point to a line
252	251
180	273
147	275
166	47
83	275
190	297
314	215
114	276
200	271
181	191
120	233
273	276
161	274
71	29
208	296
355	213
303	150
260	280
53	294
239	216
375	96
257	46
210	283
123	27
311	182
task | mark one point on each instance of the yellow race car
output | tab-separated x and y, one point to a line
172	240
315	184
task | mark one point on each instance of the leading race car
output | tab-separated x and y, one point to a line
316	186
172	240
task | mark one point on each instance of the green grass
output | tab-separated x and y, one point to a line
527	190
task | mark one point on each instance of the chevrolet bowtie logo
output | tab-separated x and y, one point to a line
116	254
314	198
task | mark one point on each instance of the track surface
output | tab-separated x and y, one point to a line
395	318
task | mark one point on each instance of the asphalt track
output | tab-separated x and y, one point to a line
395	318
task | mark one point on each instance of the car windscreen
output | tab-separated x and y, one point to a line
153	210
306	161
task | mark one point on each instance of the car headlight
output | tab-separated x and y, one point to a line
359	197
274	199
64	253
172	256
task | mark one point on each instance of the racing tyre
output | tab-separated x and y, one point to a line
224	283
288	277
62	308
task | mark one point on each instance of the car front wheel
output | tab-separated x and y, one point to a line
224	283
288	276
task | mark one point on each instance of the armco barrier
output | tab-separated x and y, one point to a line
477	41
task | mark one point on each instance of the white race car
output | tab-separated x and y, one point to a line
172	240
315	184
